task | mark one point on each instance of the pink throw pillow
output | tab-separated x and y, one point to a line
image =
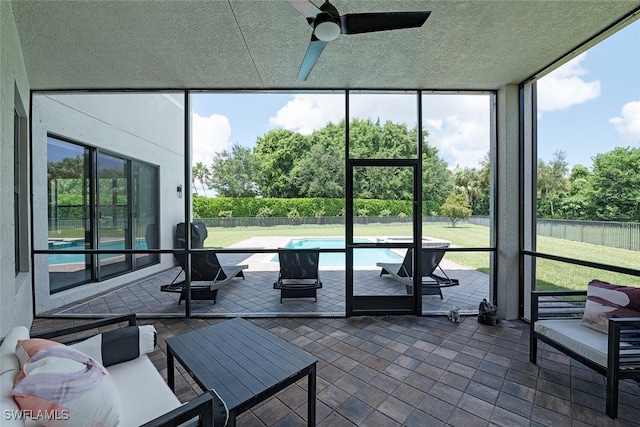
605	300
60	386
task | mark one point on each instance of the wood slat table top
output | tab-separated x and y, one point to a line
238	359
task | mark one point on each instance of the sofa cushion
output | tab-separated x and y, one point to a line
9	369
8	359
58	383
119	345
605	300
143	392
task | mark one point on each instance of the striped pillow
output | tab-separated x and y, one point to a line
119	345
605	300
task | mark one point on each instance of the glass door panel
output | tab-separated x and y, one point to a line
145	211
69	202
113	214
383	233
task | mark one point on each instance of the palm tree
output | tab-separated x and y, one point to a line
201	173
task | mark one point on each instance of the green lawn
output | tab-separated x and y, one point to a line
550	274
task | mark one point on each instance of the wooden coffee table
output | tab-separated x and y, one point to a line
243	363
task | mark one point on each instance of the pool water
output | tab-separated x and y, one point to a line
361	257
62	258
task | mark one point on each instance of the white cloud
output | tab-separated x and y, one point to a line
458	125
210	135
566	87
306	113
387	107
628	123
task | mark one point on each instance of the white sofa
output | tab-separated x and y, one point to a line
556	320
145	397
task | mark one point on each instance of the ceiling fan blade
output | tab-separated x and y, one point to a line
314	50
306	8
357	23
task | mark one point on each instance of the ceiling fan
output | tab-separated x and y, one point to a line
328	24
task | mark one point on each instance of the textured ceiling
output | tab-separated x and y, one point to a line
259	44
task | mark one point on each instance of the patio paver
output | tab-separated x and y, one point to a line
417	371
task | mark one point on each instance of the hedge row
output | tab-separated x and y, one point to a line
204	207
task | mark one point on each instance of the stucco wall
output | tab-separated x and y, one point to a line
508	201
16	303
147	127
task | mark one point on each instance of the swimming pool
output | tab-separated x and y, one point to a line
361	257
62	258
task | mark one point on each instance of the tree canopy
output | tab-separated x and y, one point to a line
610	191
287	164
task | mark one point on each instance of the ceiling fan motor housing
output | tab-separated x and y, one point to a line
325	27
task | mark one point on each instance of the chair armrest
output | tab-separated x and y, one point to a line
624	343
130	318
201	407
557	304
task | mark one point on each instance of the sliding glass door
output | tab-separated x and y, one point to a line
114	219
69	213
123	218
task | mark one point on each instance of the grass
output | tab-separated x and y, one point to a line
549	274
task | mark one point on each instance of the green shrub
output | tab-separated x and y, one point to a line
293	213
250	207
264	212
456	208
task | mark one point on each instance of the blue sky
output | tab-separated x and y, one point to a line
592	104
589	105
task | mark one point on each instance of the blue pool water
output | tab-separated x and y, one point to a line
62	258
361	257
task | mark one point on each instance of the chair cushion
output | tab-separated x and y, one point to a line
605	300
583	341
58	383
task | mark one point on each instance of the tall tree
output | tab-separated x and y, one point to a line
466	181
437	179
233	173
321	173
200	173
552	181
615	185
277	153
576	204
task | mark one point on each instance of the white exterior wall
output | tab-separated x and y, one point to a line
147	127
16	302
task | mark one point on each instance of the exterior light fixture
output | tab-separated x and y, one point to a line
179	190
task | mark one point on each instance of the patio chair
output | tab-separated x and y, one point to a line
432	283
299	275
207	276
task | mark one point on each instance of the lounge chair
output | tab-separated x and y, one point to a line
299	275
432	283
207	276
